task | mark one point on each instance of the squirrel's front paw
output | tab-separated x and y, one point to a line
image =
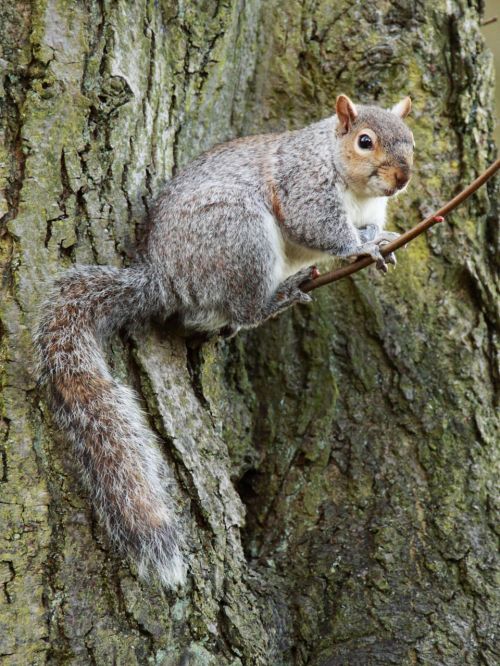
373	250
389	258
386	236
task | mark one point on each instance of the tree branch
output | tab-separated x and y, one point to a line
438	216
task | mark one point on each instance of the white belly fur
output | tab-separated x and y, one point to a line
361	211
289	257
297	257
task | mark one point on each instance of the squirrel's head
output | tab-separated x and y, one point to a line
375	147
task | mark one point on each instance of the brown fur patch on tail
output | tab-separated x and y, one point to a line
105	448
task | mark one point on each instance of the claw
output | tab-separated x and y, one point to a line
391	258
372	249
438	218
382	266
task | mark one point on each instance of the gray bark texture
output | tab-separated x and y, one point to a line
336	469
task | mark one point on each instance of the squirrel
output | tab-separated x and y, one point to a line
231	239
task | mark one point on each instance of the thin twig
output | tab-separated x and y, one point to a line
489	21
438	216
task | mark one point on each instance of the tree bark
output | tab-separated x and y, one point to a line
336	468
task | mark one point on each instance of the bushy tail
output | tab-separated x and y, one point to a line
122	467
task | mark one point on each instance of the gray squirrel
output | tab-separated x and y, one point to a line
231	239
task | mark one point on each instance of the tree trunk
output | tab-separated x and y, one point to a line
336	467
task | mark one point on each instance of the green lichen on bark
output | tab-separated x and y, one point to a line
335	468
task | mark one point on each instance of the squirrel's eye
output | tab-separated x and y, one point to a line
365	142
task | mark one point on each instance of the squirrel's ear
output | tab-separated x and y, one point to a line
402	108
346	112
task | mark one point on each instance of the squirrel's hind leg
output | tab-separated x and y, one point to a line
289	292
286	294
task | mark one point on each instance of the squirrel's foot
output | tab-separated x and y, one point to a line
386	237
290	288
372	233
372	250
389	258
289	291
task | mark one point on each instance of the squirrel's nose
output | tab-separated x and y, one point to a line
402	175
